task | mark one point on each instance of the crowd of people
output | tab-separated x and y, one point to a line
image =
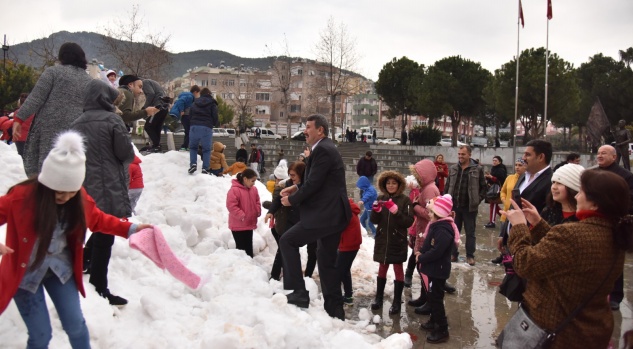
564	231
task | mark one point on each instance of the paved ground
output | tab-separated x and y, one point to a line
477	312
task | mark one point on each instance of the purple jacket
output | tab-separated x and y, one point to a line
243	205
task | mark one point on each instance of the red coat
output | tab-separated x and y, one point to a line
26	126
136	174
21	238
441	177
5	125
351	237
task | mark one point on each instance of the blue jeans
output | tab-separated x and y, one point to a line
34	312
364	220
200	135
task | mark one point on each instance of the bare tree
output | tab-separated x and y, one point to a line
281	80
337	50
138	53
44	51
242	87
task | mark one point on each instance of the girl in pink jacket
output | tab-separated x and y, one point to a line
244	207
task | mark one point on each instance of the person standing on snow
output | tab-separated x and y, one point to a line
204	116
242	202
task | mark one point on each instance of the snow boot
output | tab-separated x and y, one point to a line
380	292
397	298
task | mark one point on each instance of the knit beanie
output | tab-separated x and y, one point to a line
442	205
569	176
64	169
281	171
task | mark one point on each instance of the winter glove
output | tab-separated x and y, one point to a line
391	206
377	206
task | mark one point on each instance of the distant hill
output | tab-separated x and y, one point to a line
92	43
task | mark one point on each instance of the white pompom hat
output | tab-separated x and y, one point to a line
64	168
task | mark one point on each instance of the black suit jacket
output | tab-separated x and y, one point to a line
322	196
535	193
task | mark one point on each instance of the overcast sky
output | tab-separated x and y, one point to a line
484	31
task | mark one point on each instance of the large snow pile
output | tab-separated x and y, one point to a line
236	308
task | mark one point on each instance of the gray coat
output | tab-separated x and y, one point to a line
109	150
56	100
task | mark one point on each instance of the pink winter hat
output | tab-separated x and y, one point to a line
441	205
153	245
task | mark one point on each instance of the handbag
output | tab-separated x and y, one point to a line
522	332
512	286
494	192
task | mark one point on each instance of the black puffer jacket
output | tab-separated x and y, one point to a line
435	260
285	216
109	150
391	234
204	112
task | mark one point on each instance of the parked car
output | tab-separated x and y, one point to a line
390	141
264	134
220	132
479	142
231	132
299	136
447	142
504	144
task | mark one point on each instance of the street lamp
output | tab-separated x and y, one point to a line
5	49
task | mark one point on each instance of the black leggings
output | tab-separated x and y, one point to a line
98	250
154	125
244	241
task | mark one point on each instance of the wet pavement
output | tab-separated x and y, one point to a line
476	312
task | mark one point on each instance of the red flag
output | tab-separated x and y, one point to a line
521	14
549	9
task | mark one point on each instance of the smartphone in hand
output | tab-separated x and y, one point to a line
516	196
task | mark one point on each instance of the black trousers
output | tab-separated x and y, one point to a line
436	301
344	263
312	259
275	272
410	265
98	250
186	124
244	241
617	294
154	125
327	248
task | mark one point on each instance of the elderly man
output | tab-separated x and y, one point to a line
467	185
607	156
325	212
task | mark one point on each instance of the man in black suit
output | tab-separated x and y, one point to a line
536	182
325	212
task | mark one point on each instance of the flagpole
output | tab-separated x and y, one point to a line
516	90
546	78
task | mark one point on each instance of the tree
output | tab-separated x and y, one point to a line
337	50
563	95
281	80
453	86
14	80
399	84
225	112
242	93
611	82
626	56
45	50
493	114
138	53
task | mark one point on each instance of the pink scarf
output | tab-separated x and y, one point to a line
153	245
448	219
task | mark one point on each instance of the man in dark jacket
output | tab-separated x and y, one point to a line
132	87
241	153
325	212
203	117
367	166
607	161
108	154
467	185
154	97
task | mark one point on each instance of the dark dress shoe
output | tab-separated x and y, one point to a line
423	310
437	336
428	326
448	288
300	298
417	302
497	260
